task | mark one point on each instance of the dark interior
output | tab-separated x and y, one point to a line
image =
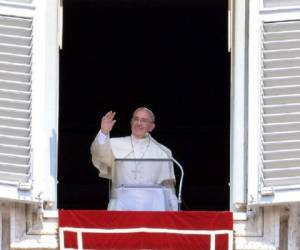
168	55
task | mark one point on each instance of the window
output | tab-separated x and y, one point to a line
28	100
274	105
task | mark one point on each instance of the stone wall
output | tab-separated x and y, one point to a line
273	227
29	226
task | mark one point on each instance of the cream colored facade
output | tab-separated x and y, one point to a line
264	117
29	47
265	110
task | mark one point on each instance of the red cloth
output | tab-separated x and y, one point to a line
184	220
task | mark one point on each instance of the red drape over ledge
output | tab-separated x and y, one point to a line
184	230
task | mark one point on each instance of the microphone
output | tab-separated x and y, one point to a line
169	155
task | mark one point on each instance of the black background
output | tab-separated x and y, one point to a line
170	56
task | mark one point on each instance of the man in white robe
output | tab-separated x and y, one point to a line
141	184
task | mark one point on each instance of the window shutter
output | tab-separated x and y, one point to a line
16	45
281	104
13	2
15	100
274	103
29	60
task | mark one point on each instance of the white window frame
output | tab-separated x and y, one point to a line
258	14
238	106
244	135
45	78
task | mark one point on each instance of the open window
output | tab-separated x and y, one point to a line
170	56
274	102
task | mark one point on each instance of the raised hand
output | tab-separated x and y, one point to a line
107	122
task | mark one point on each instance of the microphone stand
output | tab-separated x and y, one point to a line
177	163
180	183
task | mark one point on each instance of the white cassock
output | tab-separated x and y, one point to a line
136	185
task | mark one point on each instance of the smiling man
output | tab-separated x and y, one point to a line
142	177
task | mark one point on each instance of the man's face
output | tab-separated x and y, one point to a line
141	123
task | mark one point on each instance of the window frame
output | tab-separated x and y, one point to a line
257	194
44	113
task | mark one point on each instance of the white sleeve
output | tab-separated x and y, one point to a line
102	155
172	201
101	137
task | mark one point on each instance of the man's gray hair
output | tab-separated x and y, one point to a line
152	116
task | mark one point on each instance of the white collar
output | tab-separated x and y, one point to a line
139	140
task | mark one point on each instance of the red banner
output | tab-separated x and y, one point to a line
185	230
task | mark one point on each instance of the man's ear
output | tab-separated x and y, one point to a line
152	127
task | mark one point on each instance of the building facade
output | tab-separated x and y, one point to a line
264	41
